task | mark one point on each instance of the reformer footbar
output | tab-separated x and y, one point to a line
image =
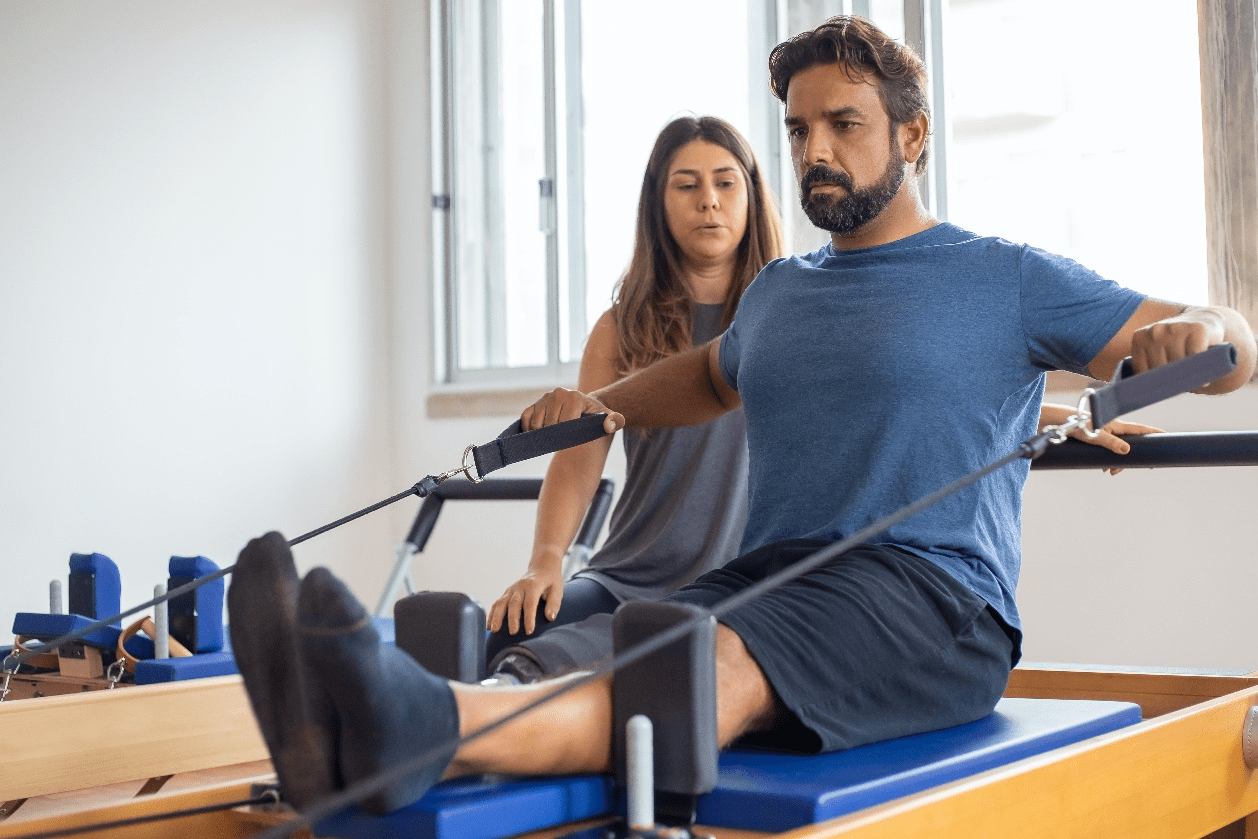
501	489
1135	392
512	446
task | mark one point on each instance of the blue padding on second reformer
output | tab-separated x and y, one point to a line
183	668
47	627
761	790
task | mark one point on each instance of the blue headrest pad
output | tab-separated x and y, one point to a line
108	582
191	566
208	599
182	669
761	790
93	563
47	627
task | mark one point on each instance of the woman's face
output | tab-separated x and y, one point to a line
705	202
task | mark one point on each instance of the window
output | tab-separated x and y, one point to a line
551	108
546	111
1077	128
500	141
1051	129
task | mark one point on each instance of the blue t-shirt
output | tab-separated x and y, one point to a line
871	378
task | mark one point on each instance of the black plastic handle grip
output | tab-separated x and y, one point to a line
1129	392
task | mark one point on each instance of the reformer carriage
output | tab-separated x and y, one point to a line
1180	759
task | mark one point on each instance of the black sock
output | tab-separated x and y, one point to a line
390	709
262	610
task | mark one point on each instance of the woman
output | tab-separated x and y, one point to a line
706	226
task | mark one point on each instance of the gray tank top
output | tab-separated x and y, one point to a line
684	504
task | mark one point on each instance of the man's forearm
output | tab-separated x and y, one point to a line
677	390
1237	332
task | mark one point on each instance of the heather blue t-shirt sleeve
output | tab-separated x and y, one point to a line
1069	312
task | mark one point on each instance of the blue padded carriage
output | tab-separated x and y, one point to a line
759	790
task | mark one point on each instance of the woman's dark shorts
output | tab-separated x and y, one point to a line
877	643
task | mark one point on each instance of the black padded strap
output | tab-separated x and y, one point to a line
514	445
1130	392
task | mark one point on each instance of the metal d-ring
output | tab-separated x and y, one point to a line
469	467
1084	414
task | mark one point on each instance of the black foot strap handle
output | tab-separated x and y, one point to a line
515	445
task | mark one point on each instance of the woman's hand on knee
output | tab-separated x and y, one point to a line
518	604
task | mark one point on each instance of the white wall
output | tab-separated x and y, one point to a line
193	282
1150	566
215	320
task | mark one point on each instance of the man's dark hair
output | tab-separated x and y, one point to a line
862	51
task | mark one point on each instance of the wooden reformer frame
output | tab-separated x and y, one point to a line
82	760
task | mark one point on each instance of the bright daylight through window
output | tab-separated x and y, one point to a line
547	109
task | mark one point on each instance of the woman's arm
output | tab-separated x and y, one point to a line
1107	435
571	480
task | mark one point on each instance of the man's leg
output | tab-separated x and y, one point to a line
384	708
573	733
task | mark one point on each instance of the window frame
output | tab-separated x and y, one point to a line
1227	37
562	199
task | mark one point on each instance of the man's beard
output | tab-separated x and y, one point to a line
848	213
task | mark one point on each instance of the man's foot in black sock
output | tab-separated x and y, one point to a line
262	616
390	708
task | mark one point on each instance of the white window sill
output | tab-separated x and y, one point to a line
453	401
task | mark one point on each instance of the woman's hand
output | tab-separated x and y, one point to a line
1108	435
518	604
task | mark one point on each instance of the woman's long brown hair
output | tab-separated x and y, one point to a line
651	309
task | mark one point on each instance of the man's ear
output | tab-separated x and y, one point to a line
913	136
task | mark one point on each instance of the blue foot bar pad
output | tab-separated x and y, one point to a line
760	790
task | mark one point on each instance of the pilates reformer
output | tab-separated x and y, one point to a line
1131	780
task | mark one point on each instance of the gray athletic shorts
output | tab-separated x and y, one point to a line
877	643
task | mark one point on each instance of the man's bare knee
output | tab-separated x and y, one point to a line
744	699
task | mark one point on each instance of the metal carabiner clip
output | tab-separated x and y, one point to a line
8	674
465	470
1083	413
114	674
